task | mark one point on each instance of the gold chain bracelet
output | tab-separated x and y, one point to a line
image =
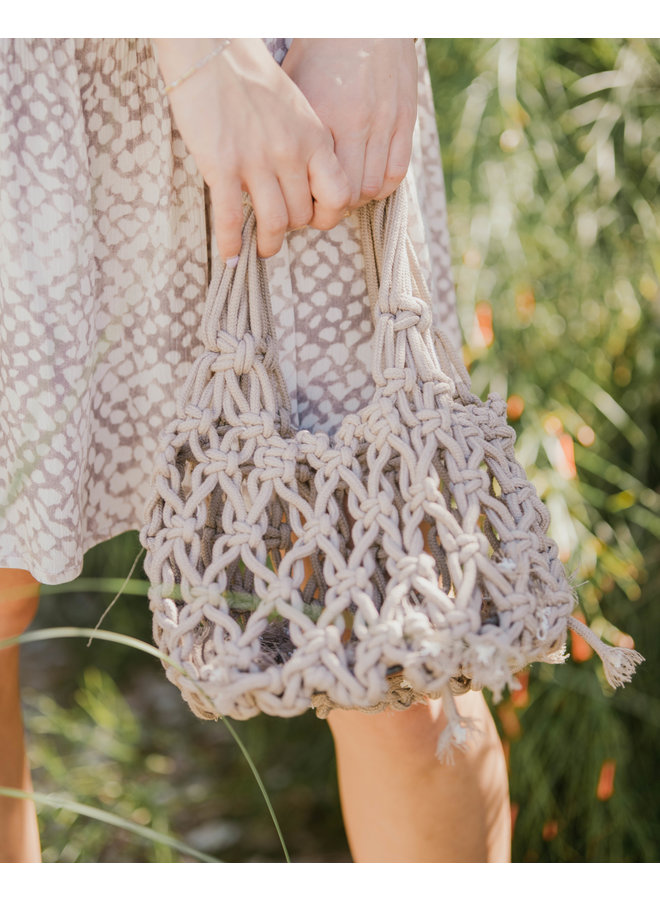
198	65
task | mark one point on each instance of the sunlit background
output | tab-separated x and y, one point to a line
551	151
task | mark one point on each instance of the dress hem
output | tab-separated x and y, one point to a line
66	575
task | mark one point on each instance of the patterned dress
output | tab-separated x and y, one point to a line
104	265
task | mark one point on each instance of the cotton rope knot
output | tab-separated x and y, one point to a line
426	489
342	457
345	457
224	344
470	545
347	430
273	463
255	424
395	380
208	593
199	420
184	528
522	540
412	313
474	480
221	461
313	444
385	328
243	533
373	507
435	420
244	354
347	579
422	566
268	346
235	353
281	589
321	526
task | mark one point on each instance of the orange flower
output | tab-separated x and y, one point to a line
525	305
568	452
482	333
520	697
510	722
515	808
605	787
562	450
550	830
514	407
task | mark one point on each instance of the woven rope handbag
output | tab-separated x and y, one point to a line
404	557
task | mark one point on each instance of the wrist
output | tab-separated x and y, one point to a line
182	60
175	55
192	70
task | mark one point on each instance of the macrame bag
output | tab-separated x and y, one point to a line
404	557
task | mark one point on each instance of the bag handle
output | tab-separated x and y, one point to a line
405	343
237	325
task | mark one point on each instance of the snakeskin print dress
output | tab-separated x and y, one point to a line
104	265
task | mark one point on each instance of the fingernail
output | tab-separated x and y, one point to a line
232	262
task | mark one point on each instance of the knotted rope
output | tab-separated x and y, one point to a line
404	557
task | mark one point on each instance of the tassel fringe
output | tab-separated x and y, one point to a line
457	733
619	663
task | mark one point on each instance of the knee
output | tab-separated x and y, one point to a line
410	733
19	599
413	733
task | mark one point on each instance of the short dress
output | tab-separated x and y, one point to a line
105	260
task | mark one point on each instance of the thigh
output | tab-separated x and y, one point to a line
19	598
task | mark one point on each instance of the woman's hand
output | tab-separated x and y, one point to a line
365	92
249	128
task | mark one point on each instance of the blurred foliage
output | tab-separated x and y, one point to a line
107	729
551	151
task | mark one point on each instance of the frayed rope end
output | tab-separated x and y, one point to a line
455	736
556	657
458	731
619	663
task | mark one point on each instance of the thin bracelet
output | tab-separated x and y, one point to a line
198	65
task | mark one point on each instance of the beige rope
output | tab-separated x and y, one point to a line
405	557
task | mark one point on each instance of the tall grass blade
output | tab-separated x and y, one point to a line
118	594
262	788
113	637
102	815
608	406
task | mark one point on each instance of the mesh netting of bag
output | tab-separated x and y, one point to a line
406	556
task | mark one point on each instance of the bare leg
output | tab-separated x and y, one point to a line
19	836
401	804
